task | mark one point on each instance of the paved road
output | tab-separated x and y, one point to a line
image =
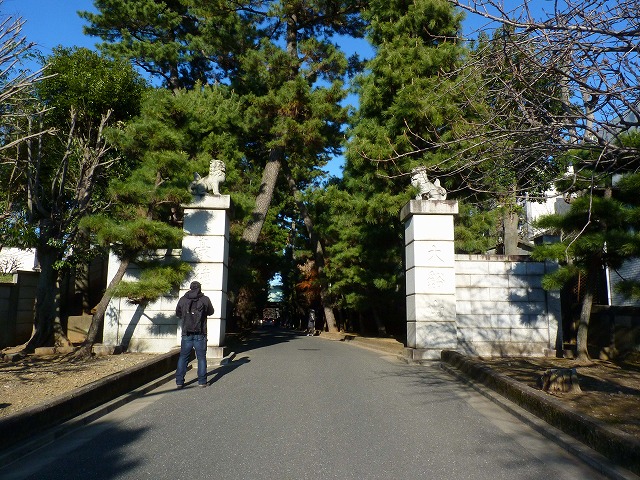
297	407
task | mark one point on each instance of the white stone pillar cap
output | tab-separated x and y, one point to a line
429	207
209	202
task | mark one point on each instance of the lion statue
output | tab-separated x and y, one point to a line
427	190
211	183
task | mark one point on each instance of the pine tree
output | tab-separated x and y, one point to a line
164	39
402	111
294	85
599	230
281	59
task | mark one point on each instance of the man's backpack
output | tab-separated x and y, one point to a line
194	316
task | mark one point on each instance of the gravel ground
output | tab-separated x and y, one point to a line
610	390
37	379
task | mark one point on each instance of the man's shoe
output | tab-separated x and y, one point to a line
202	385
179	386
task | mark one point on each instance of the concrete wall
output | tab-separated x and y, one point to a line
614	330
502	309
16	308
629	270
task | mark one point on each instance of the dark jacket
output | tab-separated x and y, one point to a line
194	306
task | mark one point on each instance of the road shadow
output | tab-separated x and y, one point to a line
106	454
226	369
262	337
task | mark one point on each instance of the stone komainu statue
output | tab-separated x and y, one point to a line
427	190
211	183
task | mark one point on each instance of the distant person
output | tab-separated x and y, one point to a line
193	309
311	325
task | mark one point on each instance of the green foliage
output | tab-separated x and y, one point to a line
17	231
81	79
285	77
176	135
131	237
629	288
60	179
595	231
364	244
402	105
561	277
157	278
162	38
402	111
476	228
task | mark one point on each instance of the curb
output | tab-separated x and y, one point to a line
38	440
32	421
620	447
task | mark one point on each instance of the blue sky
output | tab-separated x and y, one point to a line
51	22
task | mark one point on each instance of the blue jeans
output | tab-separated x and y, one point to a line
187	344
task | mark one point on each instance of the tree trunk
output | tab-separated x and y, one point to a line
60	338
318	254
582	350
361	325
82	271
563	380
251	233
510	232
42	334
81	286
47	328
263	199
332	325
340	323
98	317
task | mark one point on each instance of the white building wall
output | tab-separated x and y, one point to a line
14	259
151	328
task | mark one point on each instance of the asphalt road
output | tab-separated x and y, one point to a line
297	407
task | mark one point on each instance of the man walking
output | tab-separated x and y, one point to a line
193	309
311	324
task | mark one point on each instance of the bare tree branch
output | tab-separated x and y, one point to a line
548	88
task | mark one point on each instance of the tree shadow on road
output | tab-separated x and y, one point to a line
105	455
262	337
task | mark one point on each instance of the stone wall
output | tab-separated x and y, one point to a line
430	277
502	309
476	304
16	308
148	328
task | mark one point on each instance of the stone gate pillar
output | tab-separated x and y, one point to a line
430	277
206	247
